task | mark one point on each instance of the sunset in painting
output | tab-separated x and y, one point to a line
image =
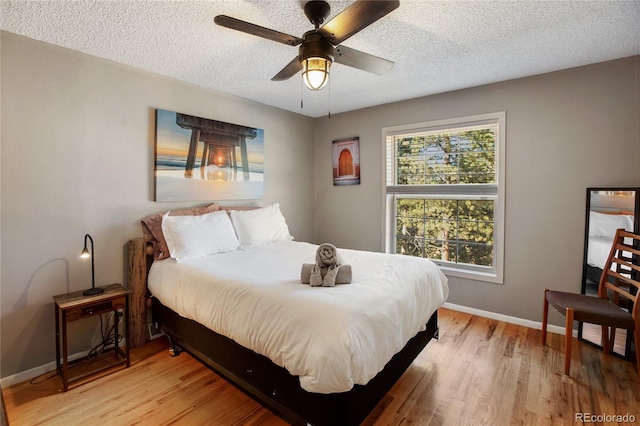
200	159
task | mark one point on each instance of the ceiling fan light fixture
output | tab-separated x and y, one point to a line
315	72
318	46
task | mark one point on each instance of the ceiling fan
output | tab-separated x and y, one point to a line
320	47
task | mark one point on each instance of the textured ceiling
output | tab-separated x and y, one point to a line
437	46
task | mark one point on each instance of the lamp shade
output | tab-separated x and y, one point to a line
315	72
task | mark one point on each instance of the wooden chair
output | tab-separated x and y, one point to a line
621	279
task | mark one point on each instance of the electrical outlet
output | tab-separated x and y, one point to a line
154	332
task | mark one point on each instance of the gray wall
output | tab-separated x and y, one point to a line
77	157
565	131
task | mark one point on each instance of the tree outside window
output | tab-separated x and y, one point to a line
443	191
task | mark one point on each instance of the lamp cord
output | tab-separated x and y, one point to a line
110	337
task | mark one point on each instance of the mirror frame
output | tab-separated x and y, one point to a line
583	289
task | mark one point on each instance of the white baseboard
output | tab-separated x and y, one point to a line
506	318
35	372
23	376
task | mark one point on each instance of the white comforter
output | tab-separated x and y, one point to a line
598	250
331	337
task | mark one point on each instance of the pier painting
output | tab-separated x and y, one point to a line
199	159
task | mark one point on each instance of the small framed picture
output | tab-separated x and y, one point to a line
346	161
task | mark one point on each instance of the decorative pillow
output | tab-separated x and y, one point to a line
152	227
197	236
605	225
260	226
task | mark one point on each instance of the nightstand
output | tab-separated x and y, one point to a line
76	306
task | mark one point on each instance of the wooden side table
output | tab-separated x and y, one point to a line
76	306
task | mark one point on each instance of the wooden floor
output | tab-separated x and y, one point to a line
593	333
480	372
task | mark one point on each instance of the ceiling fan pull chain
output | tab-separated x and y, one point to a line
301	92
329	98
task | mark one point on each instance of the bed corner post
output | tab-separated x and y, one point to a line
137	285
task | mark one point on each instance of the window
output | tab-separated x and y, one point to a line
445	194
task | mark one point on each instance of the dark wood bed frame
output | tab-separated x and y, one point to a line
267	382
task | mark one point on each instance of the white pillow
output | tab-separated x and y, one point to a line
197	236
605	225
260	226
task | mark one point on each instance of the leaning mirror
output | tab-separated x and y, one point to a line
607	209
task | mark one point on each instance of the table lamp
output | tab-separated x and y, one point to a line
85	253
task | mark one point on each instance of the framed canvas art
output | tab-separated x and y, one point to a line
346	161
199	159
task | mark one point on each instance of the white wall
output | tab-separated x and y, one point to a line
77	157
565	131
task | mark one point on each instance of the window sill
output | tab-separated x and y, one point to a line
490	277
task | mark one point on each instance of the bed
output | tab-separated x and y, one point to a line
316	355
601	231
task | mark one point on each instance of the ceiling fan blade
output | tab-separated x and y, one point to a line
257	30
356	17
363	61
288	71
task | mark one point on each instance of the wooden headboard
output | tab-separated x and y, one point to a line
140	260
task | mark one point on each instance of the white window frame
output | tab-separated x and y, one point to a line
480	192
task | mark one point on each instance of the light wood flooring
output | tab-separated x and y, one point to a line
480	372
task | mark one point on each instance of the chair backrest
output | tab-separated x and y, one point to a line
621	274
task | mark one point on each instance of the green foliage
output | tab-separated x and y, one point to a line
447	158
459	231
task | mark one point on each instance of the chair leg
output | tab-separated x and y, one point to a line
545	314
605	340
567	341
636	336
611	339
